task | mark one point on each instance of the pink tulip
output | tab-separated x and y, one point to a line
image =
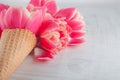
53	35
59	28
58	31
75	22
19	17
49	4
53	38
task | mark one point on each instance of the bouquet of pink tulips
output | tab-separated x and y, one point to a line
40	27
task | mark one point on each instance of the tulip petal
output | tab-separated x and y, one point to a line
76	24
36	2
2	23
51	6
40	54
76	41
35	21
47	44
44	56
77	34
8	19
48	17
48	26
25	14
77	16
16	17
67	13
2	7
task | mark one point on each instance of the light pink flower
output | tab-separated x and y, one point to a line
19	17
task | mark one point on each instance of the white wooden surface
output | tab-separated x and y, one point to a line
97	59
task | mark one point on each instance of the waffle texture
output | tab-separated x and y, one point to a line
15	45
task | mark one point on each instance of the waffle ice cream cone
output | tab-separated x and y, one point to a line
15	45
